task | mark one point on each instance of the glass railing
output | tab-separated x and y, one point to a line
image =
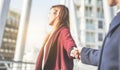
16	65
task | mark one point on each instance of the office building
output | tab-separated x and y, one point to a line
7	47
91	22
92	27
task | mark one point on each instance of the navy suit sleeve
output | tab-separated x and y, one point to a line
90	56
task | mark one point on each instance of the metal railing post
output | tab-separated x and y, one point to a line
22	32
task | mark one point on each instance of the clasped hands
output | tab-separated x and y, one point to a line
75	53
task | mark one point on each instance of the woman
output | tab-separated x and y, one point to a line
56	51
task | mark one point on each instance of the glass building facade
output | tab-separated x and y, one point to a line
92	23
92	26
9	36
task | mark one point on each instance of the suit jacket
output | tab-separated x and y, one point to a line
57	56
108	58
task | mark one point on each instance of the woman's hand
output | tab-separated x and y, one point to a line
75	53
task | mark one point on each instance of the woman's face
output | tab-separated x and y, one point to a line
54	12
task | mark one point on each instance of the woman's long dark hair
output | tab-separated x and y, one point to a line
63	15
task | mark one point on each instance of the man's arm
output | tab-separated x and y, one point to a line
90	56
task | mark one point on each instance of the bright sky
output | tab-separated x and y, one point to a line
38	24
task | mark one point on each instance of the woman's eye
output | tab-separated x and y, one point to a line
55	12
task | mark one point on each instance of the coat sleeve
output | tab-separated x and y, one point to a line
90	56
67	40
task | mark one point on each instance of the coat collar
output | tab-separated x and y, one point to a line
115	22
52	44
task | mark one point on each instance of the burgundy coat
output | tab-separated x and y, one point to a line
57	55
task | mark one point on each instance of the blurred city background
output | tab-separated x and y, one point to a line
24	25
